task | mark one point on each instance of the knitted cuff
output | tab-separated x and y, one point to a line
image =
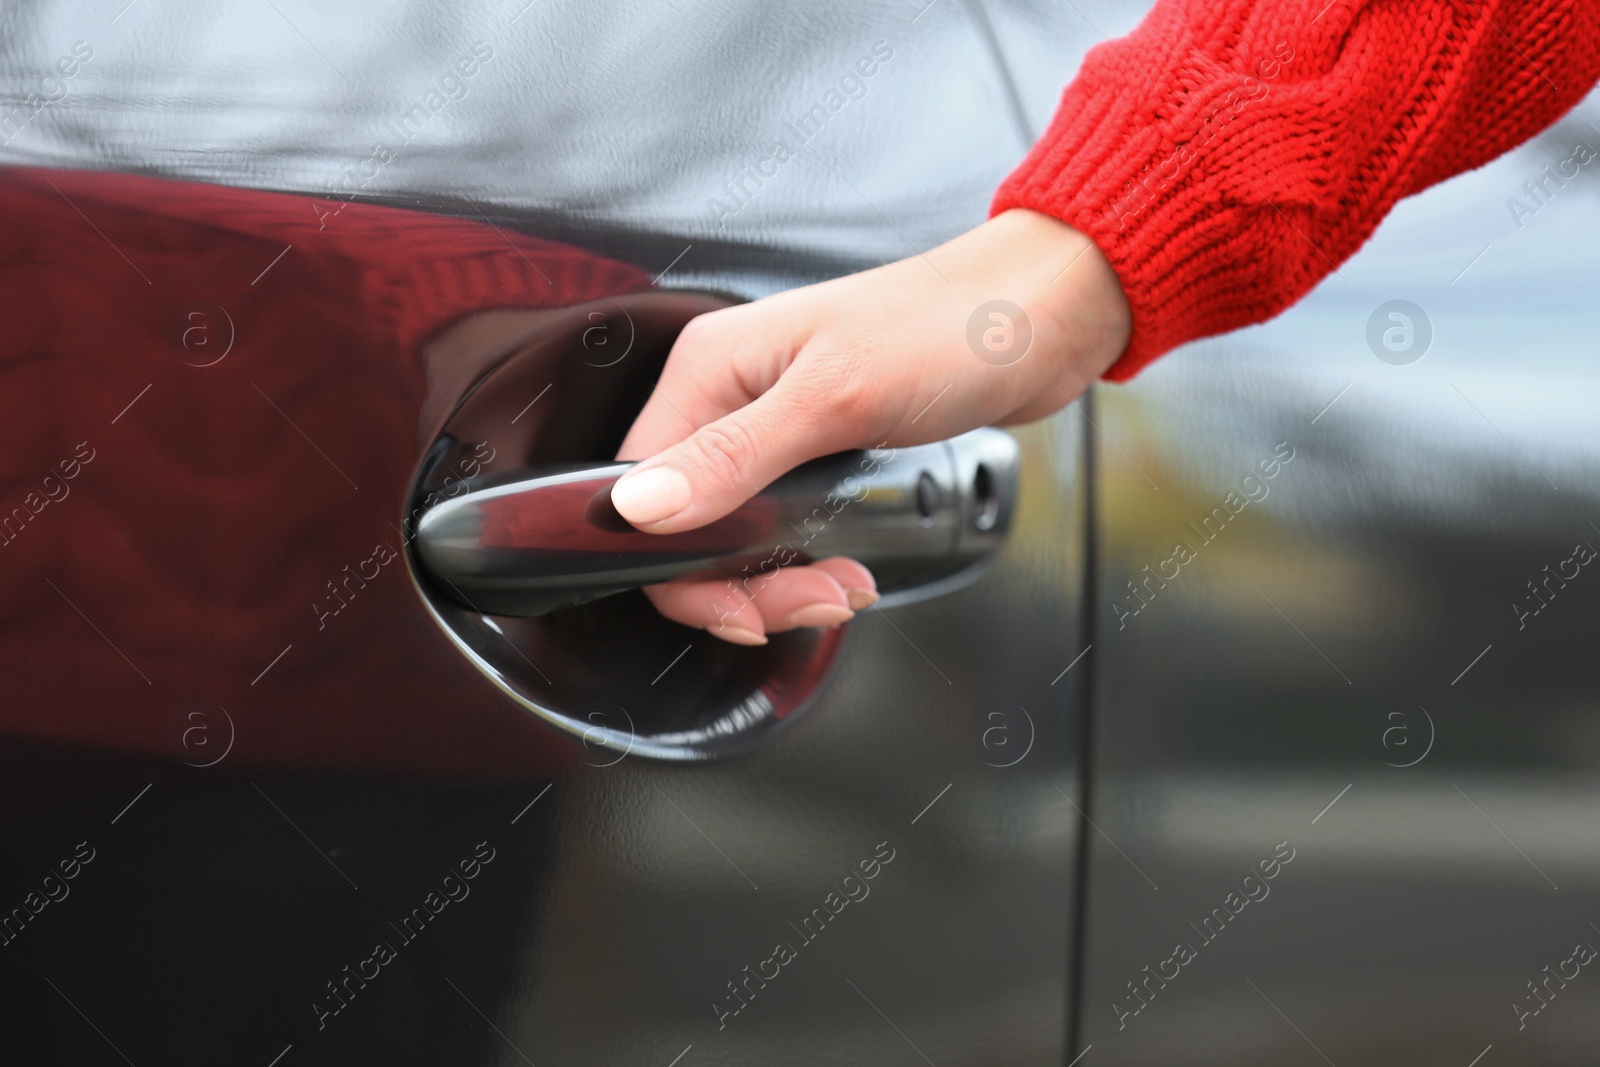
1188	165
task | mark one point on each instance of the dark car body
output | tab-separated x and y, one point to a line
274	278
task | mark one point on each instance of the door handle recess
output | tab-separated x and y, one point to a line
534	541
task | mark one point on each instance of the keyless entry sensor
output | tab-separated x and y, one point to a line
515	549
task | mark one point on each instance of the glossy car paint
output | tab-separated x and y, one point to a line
1354	662
574	906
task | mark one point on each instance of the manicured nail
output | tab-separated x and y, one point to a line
861	599
650	495
739	635
820	615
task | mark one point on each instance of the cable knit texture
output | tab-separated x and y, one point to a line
1229	154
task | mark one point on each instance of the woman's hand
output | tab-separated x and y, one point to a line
1004	324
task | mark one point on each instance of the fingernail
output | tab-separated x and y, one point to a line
820	615
861	599
650	495
739	635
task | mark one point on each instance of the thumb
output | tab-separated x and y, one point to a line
727	461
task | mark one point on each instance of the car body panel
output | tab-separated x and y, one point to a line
196	614
1354	663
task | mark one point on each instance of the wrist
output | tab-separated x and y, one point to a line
1073	295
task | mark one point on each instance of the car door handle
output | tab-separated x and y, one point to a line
534	541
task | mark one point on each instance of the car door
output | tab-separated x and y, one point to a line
1344	757
272	794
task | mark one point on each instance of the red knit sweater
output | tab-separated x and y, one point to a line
1228	154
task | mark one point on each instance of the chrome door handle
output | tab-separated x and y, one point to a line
538	540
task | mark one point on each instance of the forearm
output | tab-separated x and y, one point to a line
1228	154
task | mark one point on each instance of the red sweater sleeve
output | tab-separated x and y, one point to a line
1228	154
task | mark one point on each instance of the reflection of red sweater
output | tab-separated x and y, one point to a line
1228	154
209	421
